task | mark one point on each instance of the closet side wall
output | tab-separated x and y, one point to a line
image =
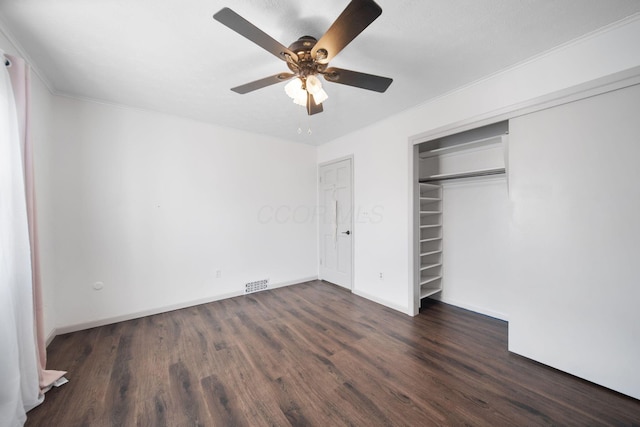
575	188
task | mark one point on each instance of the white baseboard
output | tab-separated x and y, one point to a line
475	309
52	334
381	301
150	312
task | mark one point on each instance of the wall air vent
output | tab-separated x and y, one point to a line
257	286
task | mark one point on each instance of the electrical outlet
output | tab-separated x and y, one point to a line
218	274
381	276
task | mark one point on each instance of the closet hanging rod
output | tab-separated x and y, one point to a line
444	177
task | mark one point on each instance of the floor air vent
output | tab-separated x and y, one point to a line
258	285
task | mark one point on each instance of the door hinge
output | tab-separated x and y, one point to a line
320	261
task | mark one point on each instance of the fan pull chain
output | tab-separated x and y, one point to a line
308	124
300	118
304	117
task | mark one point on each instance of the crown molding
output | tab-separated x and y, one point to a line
4	30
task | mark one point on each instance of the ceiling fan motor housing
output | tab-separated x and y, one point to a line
306	65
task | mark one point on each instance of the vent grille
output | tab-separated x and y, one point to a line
258	285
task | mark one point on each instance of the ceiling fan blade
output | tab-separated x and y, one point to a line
352	21
357	79
245	28
312	107
259	84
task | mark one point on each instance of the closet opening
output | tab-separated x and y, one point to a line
461	221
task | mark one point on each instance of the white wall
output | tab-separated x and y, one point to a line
380	205
153	206
475	229
382	157
40	126
575	188
383	175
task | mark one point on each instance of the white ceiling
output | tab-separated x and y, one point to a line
172	57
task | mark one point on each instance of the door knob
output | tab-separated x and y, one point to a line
346	232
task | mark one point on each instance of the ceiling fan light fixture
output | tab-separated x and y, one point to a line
301	100
320	96
295	90
313	84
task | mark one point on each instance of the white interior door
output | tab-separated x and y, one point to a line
336	222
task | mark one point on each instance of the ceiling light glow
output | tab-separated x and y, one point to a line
295	89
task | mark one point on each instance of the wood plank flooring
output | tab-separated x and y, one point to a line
313	355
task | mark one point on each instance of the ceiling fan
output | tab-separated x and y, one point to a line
308	57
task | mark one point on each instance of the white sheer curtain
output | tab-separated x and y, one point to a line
19	384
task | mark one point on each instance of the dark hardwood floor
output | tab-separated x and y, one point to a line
313	354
